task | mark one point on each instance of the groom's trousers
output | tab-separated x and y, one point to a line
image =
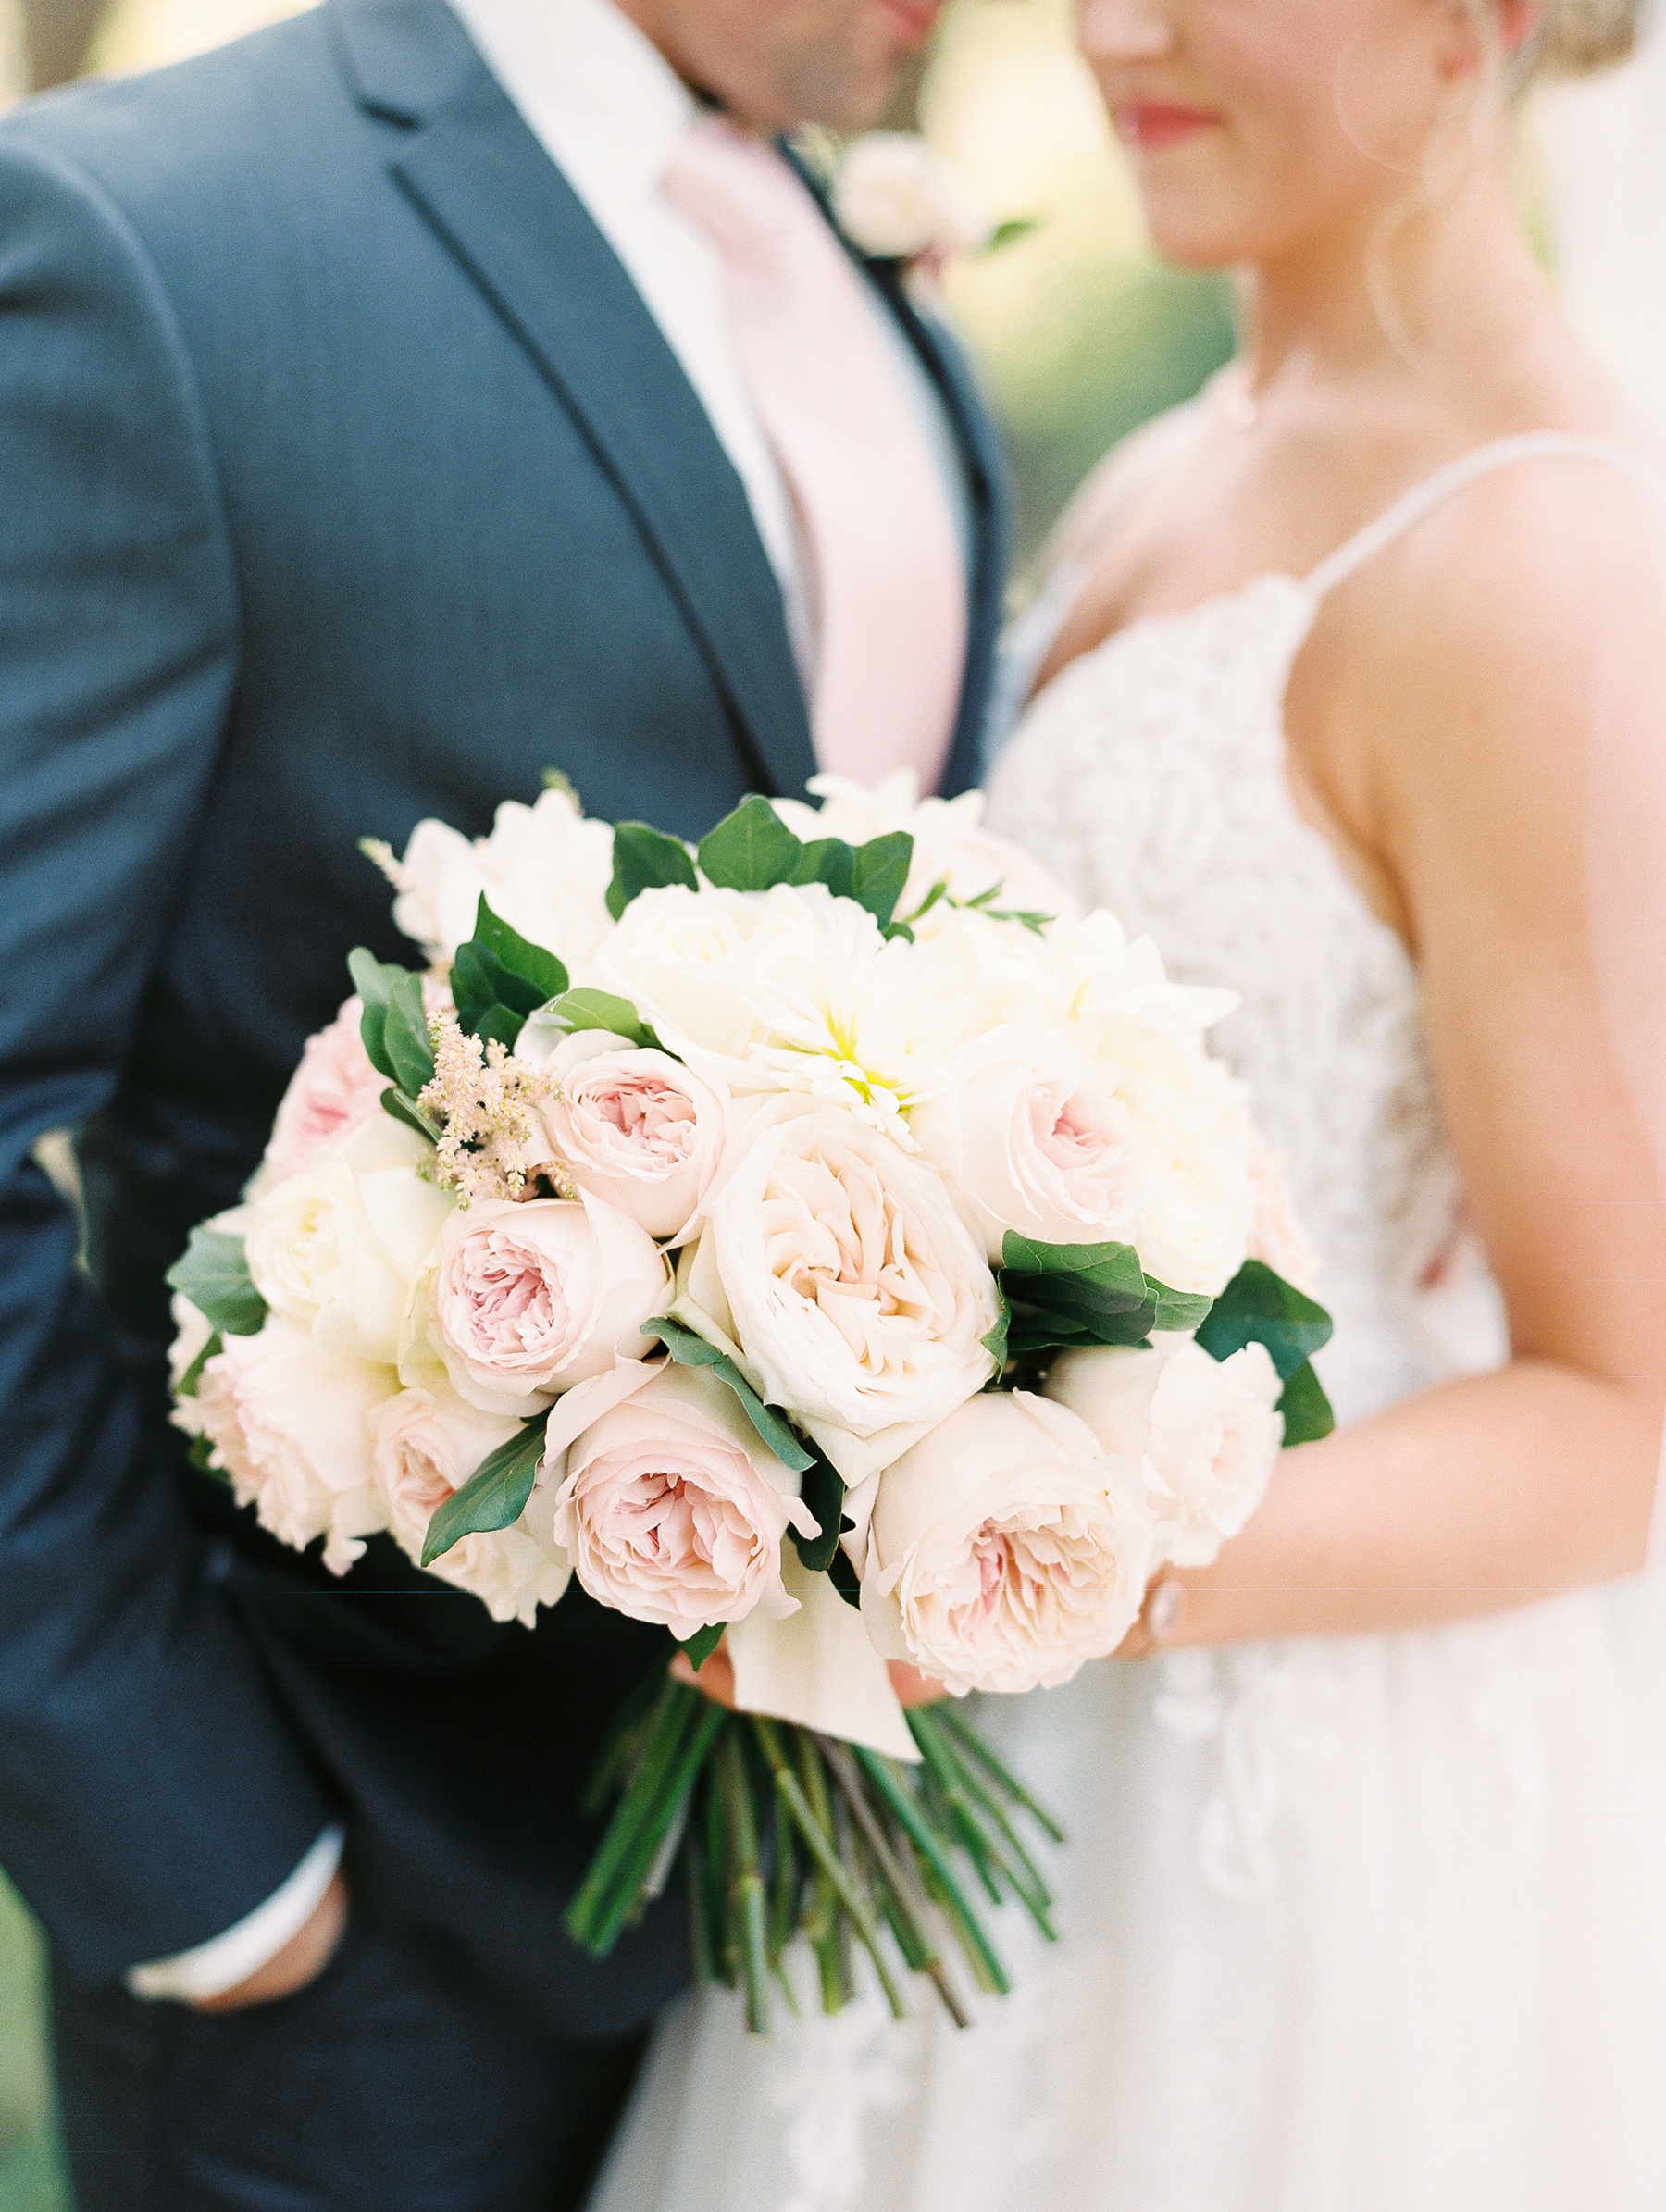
398	2082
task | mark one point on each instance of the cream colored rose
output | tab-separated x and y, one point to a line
637	1128
293	1433
1277	1236
544	870
842	1269
1006	1548
896	198
527	1298
1033	1136
334	1091
1194	1150
673	1509
426	1445
1205	1431
336	1249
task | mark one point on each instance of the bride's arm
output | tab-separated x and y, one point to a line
1513	764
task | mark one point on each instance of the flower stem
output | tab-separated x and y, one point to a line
976	1945
745	1879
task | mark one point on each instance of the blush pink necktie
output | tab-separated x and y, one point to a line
889	586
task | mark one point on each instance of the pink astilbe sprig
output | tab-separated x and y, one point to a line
486	1102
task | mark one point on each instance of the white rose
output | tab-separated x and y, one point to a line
1006	1548
426	1445
293	1433
336	1248
1032	1136
636	1128
1194	1149
527	1298
1205	1429
544	870
1277	1236
842	1269
673	1509
896	198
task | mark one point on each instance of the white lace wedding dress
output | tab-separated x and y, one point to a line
1365	1925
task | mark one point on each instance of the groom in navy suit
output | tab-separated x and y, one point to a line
376	430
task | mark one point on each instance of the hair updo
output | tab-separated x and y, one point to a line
1575	37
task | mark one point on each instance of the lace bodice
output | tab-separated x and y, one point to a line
1151	775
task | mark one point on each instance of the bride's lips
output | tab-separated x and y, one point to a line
916	20
1150	126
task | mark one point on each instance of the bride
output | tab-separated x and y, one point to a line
1337	684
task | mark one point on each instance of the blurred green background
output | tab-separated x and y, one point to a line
1079	338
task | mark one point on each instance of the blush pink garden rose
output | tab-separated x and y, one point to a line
424	1445
292	1432
528	1298
1006	1548
673	1509
1033	1136
635	1127
334	1091
1277	1236
1206	1432
840	1267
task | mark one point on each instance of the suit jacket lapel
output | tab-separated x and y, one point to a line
500	203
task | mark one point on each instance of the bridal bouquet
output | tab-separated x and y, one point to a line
817	1241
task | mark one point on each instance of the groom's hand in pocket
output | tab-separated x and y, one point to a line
300	1960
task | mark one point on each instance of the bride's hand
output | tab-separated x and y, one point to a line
1155	1630
717	1679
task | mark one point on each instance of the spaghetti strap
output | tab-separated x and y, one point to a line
1504	453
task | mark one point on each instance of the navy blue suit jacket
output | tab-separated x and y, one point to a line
344	478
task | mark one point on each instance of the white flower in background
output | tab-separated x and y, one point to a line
292	1432
1033	1136
1277	1236
843	1271
424	1445
1006	1548
526	1299
336	1249
637	1128
544	870
951	845
897	199
1205	1430
789	989
334	1091
673	1509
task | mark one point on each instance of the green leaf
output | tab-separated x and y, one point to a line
995	1343
1009	233
882	866
557	779
1064	1294
824	1493
187	1385
587	1009
701	1644
1306	1410
1037	1330
500	1024
479	981
690	1350
405	1037
494	1496
645	860
844	1578
535	965
1259	1307
1177	1308
213	1273
750	849
375	982
407	1111
828	861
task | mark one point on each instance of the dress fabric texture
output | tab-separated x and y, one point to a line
1374	1924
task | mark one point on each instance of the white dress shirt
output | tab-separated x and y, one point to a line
610	111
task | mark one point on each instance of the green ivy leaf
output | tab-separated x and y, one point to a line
1259	1307
882	866
407	1111
1177	1308
536	966
494	1496
995	1343
701	1644
690	1350
1009	233
750	850
824	1493
375	981
828	861
405	1037
588	1008
844	1578
1306	1410
645	860
189	1382
213	1273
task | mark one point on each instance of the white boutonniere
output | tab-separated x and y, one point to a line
896	199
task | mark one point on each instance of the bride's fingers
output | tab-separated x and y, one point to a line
716	1679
